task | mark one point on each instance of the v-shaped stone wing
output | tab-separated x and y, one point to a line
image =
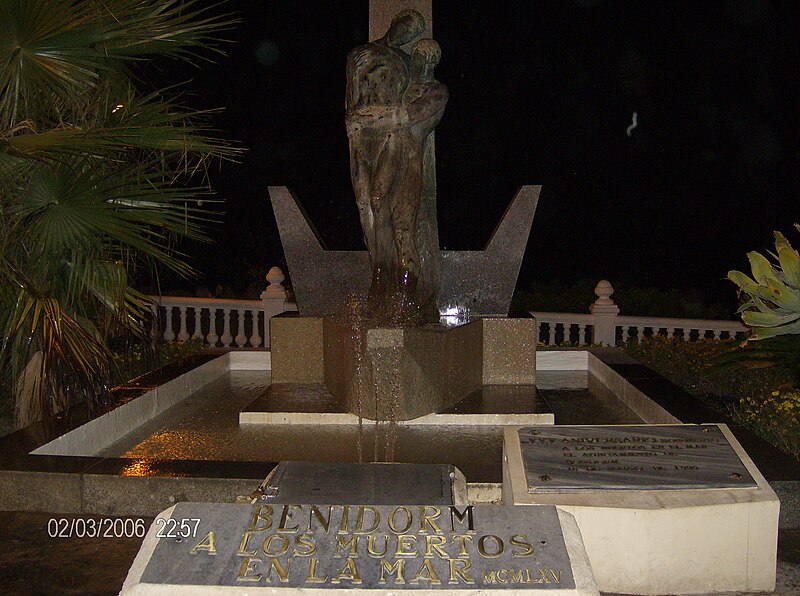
482	282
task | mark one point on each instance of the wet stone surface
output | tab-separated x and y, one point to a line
501	399
576	397
206	426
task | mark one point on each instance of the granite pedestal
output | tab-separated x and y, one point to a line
413	371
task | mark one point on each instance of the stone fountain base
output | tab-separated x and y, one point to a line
412	371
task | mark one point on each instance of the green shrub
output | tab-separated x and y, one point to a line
777	418
137	359
690	364
760	398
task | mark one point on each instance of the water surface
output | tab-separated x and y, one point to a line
206	426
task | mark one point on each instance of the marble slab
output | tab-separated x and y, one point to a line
366	483
638	457
209	548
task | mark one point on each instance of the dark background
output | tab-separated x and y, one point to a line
540	93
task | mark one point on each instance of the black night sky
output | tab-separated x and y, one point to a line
540	93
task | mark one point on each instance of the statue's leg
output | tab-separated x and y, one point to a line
427	238
405	212
360	175
382	190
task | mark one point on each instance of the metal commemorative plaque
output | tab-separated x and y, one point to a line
631	457
389	547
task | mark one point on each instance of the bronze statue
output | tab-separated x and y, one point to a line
393	105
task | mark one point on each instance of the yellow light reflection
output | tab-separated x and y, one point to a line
138	467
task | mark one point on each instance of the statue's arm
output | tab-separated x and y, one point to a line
376	118
358	113
351	92
429	105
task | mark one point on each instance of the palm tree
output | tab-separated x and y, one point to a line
94	179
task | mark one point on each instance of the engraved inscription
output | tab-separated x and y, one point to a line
630	457
365	546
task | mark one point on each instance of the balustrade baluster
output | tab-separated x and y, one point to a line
155	330
255	338
552	338
169	334
241	338
226	327
582	334
212	337
198	331
183	334
670	332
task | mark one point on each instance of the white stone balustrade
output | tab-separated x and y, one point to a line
232	323
223	322
556	328
605	326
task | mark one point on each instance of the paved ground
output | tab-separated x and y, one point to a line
32	562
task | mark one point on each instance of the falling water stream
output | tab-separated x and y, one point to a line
377	383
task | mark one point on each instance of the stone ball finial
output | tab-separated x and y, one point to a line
275	279
603	291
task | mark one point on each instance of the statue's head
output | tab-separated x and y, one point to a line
406	26
425	55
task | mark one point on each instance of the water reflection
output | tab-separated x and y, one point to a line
206	427
138	467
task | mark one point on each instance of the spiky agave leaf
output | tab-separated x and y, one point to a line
745	283
789	260
768	319
761	267
773	308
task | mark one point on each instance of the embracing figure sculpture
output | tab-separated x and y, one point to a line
393	104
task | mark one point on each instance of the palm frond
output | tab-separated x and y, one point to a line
53	48
149	123
81	205
94	176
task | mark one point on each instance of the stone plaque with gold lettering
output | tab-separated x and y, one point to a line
211	547
631	457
